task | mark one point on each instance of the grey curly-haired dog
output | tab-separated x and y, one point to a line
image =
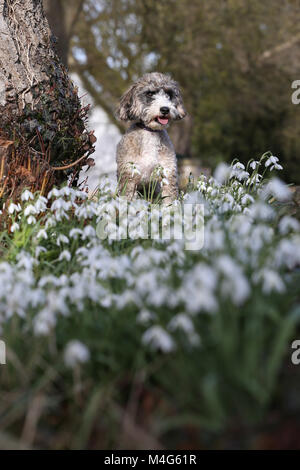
151	103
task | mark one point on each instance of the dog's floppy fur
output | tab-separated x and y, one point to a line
151	103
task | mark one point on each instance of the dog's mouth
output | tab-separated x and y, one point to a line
163	120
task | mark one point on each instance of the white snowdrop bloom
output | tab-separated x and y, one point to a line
50	222
288	253
271	281
88	232
276	166
238	166
145	316
254	164
50	279
237	289
247	198
254	179
235	284
74	233
25	260
66	191
135	170
241	224
201	186
159	297
271	160
288	224
39	250
43	323
261	211
26	195
76	353
242	175
41	204
279	189
222	172
183	322
60	204
15	227
14	208
158	339
260	236
42	233
65	255
31	220
30	210
62	239
54	192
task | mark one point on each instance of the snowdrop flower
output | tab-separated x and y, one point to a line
247	198
183	322
287	224
272	163
41	204
50	222
134	169
76	353
222	172
261	211
42	234
39	250
239	174
88	232
26	195
271	281
145	316
238	166
254	164
158	339
31	220
43	323
14	208
62	239
279	189
59	204
54	192
30	210
75	232
65	255
253	180
15	226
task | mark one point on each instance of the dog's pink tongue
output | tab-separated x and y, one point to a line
163	121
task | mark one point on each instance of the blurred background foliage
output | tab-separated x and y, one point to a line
234	59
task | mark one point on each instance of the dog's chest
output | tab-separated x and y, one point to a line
155	146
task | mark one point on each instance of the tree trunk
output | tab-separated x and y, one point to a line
38	103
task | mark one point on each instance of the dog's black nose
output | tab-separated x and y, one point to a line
164	110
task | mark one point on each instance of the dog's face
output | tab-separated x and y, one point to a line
154	99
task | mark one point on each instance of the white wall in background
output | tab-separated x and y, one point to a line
108	136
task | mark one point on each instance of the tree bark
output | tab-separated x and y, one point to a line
38	102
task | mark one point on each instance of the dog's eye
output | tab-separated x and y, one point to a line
150	93
170	94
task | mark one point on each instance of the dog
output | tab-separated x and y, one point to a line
151	103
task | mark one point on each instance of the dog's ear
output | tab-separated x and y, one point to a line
181	111
180	108
124	111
